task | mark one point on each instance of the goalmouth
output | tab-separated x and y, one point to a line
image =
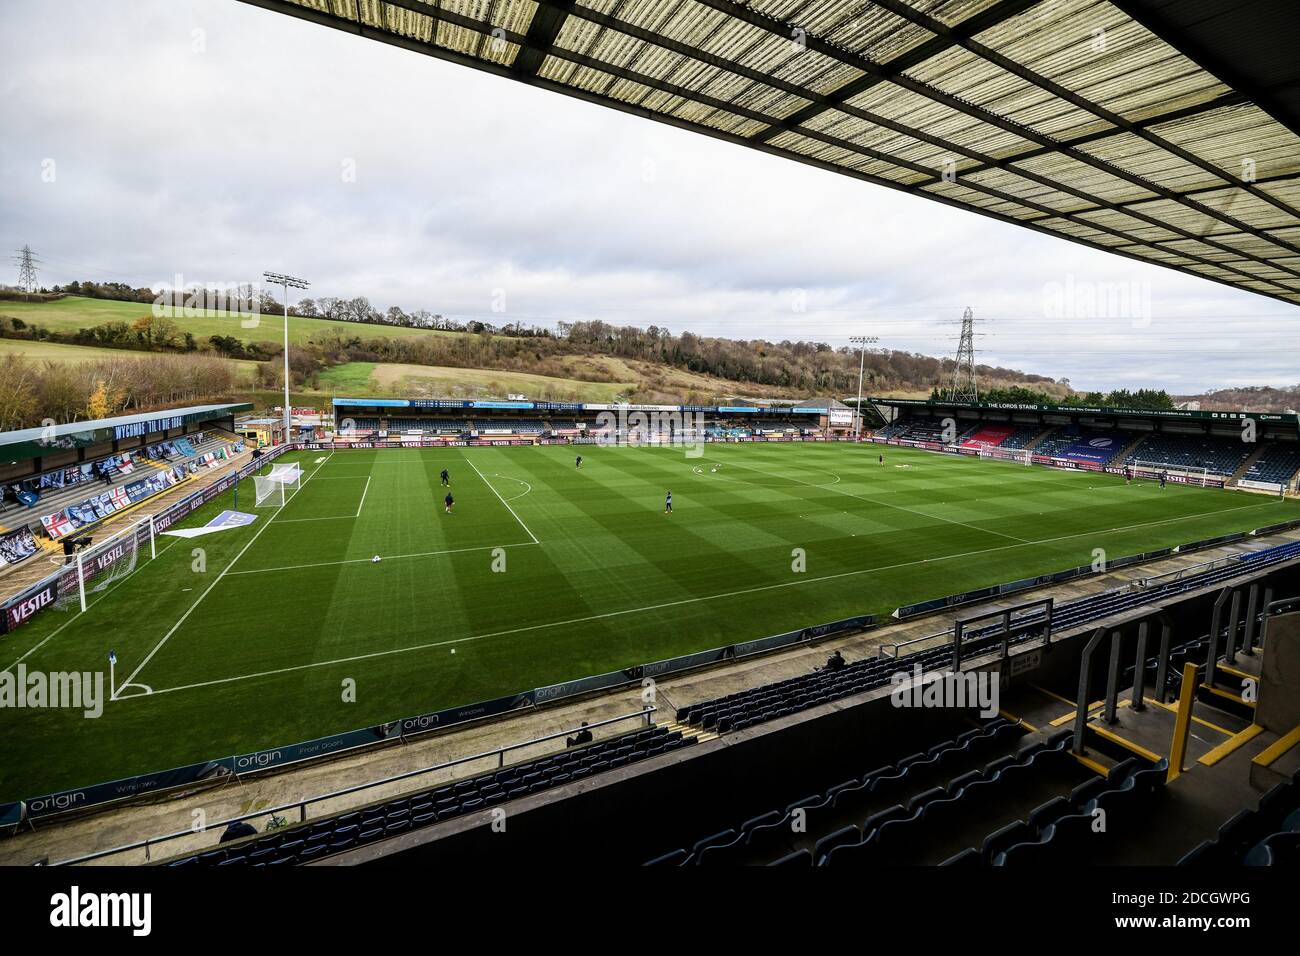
273	488
1180	474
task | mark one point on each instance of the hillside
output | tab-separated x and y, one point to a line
75	343
1263	398
72	313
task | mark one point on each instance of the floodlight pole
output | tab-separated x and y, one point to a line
861	341
285	282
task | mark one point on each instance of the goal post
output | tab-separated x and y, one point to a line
272	489
97	567
1189	474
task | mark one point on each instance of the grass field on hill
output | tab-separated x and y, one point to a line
396	378
252	650
576	377
77	312
75	354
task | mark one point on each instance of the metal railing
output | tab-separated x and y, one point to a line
148	844
1141	584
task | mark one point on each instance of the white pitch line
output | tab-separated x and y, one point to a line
502	500
527	486
389	557
886	504
89	604
208	590
683	601
363	497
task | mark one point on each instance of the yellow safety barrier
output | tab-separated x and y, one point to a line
1183	722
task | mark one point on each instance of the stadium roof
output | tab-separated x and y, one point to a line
36	442
1163	130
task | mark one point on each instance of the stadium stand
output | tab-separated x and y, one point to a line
313	841
1021	437
1222	456
1075	443
825	815
914	429
1268	835
1276	463
987	436
458	426
72	499
1016	800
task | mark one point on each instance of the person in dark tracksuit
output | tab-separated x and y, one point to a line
446	478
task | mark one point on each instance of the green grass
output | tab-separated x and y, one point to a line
404	381
253	651
77	354
74	312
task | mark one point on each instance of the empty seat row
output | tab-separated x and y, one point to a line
1269	835
770	833
312	841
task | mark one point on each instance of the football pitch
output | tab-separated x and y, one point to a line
250	638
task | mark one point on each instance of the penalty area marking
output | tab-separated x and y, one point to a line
208	590
679	603
527	486
500	499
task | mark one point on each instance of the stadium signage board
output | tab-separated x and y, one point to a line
24	608
459	715
123	789
136	429
321	747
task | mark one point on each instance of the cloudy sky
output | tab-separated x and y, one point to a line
214	140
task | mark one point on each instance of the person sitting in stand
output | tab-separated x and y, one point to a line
583	736
237	830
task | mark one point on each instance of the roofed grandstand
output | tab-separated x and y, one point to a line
1233	449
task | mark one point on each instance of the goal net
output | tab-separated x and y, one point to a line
1181	474
100	565
273	488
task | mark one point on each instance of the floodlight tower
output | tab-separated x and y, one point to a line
861	341
286	283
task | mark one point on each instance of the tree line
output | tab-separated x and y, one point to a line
33	391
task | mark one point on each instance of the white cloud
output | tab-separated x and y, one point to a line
221	163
